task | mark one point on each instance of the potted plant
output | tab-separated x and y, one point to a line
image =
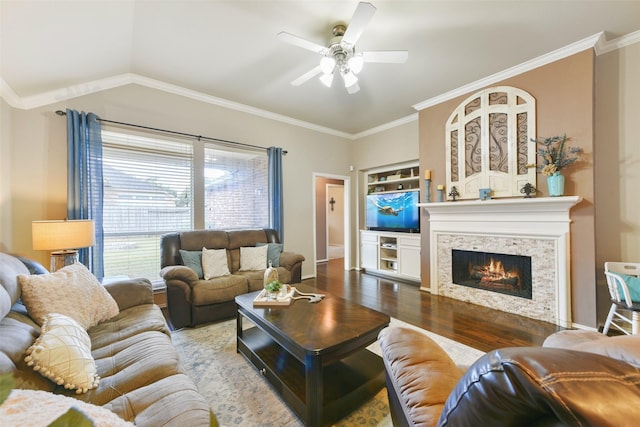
556	155
273	288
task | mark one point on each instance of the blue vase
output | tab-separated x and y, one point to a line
555	183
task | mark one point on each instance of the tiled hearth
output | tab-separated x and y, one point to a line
537	227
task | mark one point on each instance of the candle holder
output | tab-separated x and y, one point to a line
427	191
440	194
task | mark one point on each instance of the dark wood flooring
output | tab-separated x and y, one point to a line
479	327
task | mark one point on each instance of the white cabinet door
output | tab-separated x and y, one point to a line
368	250
409	256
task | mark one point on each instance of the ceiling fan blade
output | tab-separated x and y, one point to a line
361	17
388	56
353	88
307	76
300	42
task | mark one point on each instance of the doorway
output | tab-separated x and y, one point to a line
331	219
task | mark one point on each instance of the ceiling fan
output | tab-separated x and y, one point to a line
340	55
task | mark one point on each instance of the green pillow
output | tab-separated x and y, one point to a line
273	253
633	283
193	260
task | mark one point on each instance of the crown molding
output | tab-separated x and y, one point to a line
603	46
75	91
9	95
390	125
579	46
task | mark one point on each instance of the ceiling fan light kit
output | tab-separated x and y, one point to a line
340	55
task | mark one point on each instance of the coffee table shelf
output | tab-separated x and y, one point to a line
343	381
320	384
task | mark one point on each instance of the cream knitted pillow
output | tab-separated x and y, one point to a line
214	263
62	353
72	291
253	258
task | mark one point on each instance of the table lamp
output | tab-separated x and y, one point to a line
63	238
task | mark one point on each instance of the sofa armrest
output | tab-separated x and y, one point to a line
179	272
621	347
289	259
419	375
293	262
131	292
533	386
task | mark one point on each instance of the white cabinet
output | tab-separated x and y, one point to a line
392	254
409	254
369	251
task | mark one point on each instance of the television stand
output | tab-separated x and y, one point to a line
391	254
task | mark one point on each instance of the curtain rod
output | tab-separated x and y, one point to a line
173	132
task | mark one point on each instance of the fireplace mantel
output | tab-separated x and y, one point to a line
542	219
504	211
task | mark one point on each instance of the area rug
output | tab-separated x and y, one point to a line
238	394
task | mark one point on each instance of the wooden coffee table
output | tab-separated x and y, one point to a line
313	354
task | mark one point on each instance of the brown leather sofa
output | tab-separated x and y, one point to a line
577	378
141	378
192	300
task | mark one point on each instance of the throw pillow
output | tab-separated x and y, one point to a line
214	263
62	353
72	291
633	283
253	258
193	260
273	252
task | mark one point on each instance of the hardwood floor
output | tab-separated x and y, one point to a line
476	326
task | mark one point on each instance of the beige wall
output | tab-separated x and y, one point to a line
37	177
389	147
617	165
5	175
335	215
564	94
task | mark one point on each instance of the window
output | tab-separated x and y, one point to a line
235	189
150	189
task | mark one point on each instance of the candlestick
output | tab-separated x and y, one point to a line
427	192
440	193
427	174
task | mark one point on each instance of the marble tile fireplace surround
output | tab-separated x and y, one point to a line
537	227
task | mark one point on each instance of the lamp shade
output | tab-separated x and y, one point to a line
63	234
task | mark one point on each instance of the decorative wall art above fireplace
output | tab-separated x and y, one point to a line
489	143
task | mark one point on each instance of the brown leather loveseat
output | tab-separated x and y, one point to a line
192	299
578	378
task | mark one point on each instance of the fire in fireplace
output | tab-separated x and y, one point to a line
503	273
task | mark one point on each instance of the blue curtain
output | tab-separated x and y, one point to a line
84	181
276	219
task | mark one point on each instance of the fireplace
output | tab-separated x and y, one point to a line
502	273
536	230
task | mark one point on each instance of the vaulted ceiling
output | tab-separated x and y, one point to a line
229	51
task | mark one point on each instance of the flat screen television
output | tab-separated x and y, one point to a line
393	211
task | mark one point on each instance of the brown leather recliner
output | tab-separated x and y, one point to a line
191	300
587	379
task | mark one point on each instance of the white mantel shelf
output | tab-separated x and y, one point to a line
546	218
499	210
